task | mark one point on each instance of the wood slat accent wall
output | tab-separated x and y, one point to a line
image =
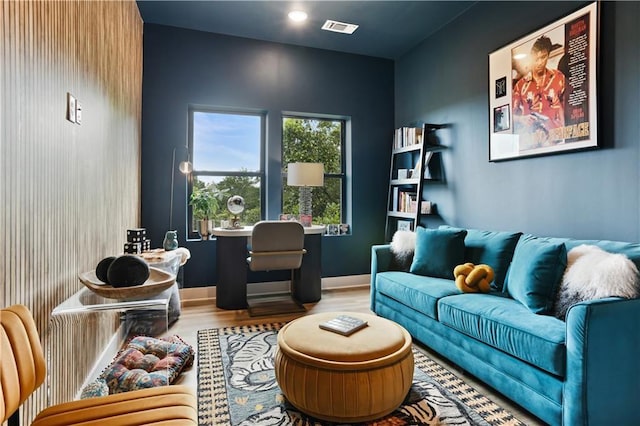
68	191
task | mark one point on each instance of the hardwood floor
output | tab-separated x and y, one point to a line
203	316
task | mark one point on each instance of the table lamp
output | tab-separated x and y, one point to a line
306	176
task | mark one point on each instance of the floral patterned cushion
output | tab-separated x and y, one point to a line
143	363
95	389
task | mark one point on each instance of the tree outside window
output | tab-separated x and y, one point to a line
315	140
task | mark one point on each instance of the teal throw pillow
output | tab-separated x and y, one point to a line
535	273
438	252
493	248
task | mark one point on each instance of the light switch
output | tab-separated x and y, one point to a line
71	108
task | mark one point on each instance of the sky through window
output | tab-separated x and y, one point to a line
226	142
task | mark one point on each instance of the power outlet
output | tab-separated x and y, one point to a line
71	108
78	112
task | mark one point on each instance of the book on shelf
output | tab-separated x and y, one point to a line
413	205
407	136
408	202
395	198
426	207
413	135
343	324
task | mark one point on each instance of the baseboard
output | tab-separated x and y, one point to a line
205	295
347	281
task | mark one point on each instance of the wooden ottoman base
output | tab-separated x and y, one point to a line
344	379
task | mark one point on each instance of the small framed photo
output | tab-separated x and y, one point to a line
501	87
404	225
333	229
426	207
501	120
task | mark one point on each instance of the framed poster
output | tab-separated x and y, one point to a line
542	90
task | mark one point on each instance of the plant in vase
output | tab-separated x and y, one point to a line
205	202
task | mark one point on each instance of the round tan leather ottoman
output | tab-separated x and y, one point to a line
337	378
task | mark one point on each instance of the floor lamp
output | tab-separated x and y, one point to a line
171	237
306	176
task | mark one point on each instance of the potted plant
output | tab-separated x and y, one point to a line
204	201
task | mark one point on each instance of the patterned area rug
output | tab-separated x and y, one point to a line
237	387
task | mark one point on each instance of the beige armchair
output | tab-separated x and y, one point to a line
276	245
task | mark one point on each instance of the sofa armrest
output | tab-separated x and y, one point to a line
603	373
380	262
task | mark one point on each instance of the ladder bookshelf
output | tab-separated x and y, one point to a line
411	156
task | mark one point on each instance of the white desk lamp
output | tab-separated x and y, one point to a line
306	176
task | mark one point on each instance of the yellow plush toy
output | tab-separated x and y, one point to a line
472	278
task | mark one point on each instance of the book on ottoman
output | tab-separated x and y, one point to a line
343	324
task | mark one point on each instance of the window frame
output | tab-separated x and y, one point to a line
343	156
193	234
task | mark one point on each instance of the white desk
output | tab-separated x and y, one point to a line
247	230
231	258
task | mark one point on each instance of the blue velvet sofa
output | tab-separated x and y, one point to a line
581	371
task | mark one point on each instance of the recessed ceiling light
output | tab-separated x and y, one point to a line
297	15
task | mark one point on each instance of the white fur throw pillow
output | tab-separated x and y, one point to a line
593	273
403	244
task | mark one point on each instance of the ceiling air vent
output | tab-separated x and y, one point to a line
339	27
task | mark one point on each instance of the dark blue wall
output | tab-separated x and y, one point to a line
589	194
183	67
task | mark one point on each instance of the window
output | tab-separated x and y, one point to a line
316	140
226	148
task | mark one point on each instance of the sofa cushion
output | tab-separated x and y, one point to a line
535	272
438	252
415	291
493	248
505	324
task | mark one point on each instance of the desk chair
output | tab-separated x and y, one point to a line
23	370
276	245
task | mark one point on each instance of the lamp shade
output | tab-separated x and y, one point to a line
305	174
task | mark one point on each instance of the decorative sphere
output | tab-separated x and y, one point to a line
235	204
127	271
103	267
